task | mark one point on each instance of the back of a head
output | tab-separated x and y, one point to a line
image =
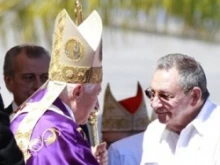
190	71
30	50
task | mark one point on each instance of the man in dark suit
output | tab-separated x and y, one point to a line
25	70
9	151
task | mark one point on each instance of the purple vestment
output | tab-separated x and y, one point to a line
55	139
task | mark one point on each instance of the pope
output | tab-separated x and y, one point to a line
46	125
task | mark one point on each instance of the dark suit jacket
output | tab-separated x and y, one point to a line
9	151
8	110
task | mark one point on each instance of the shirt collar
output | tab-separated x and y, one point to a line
198	122
204	114
14	106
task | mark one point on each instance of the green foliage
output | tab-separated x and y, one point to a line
25	15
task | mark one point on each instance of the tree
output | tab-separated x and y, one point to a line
32	20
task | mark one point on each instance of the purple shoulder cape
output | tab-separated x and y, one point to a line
56	140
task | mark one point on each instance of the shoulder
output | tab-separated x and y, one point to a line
128	145
49	119
4	119
9	146
127	150
54	130
210	113
52	119
134	139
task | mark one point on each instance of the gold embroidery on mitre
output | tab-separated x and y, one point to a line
74	50
119	123
77	74
116	118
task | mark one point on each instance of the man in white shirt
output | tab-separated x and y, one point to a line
185	132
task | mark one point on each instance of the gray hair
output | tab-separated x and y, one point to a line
69	88
31	51
88	87
190	71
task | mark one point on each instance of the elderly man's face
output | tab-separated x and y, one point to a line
168	99
29	75
86	104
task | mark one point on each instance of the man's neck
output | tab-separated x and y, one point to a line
189	116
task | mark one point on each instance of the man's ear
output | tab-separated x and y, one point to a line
9	82
77	92
196	95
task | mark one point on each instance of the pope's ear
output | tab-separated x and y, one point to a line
77	91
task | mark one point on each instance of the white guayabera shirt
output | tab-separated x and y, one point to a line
197	144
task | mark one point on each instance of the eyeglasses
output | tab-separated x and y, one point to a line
161	95
148	93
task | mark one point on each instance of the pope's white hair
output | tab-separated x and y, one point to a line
88	87
69	88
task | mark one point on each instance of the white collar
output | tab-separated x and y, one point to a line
14	106
198	122
69	111
203	115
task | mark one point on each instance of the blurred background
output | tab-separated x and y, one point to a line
136	34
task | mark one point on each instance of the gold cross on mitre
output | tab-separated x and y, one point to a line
78	12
